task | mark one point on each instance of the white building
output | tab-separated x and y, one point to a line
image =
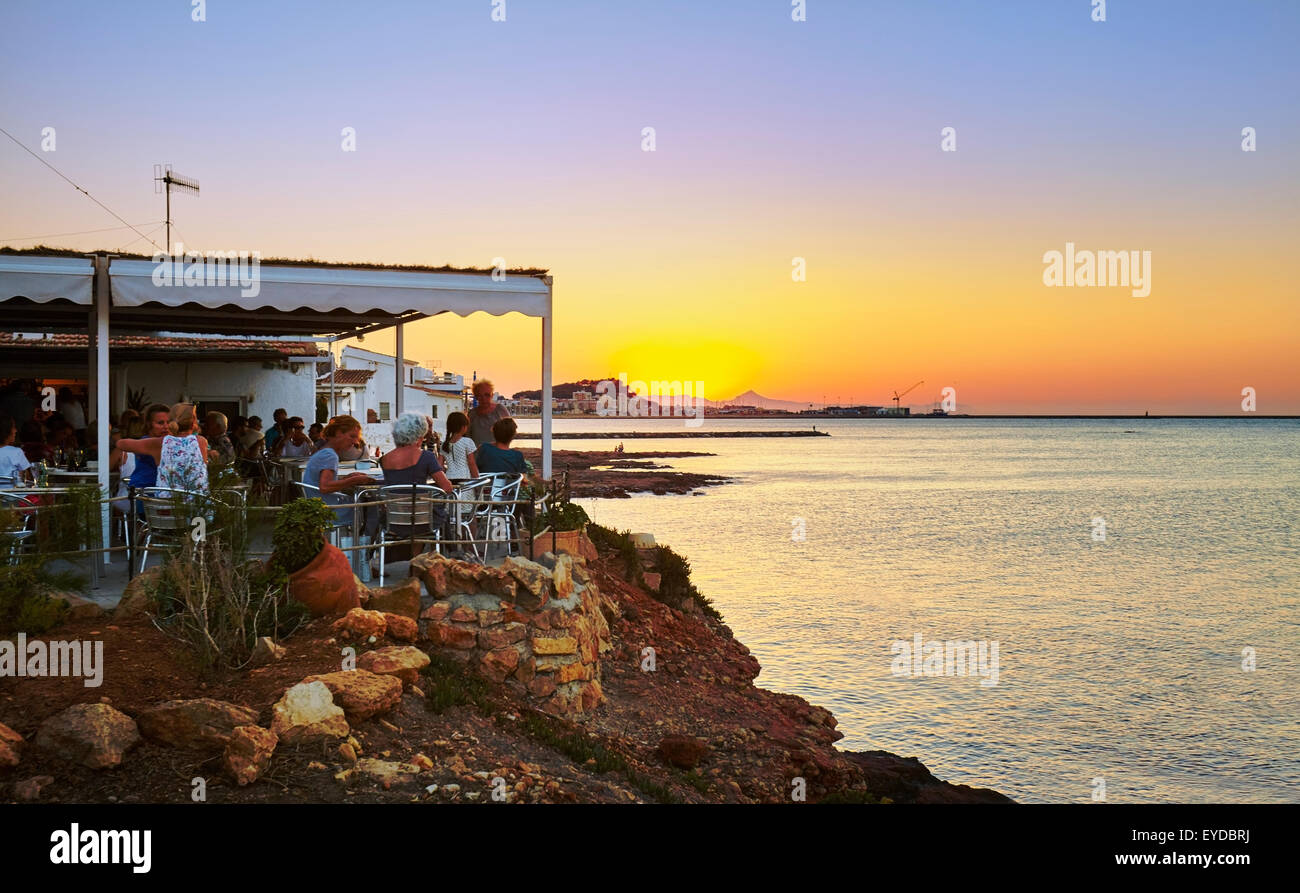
235	376
365	387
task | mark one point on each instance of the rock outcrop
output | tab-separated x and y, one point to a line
93	735
200	723
306	713
361	693
248	752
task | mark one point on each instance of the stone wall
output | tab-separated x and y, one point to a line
536	626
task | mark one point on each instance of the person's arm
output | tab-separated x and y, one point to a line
330	482
148	446
473	463
440	478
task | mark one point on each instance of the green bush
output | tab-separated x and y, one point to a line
675	586
619	542
299	533
566	516
25	605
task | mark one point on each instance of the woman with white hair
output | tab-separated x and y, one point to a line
408	462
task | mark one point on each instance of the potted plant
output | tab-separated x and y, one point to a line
563	528
320	575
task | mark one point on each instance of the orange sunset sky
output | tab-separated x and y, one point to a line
775	139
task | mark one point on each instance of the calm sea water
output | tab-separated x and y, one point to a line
1119	659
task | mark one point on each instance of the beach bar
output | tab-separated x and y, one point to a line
289	300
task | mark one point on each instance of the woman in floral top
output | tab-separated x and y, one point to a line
181	455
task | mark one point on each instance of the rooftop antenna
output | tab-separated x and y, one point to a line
165	180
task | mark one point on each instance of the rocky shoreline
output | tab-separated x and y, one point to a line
609	475
613	692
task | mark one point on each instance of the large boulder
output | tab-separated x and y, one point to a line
403	599
93	735
361	693
360	623
200	723
307	712
403	661
248	753
137	597
11	747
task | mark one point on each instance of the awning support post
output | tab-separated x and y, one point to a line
101	396
546	383
399	364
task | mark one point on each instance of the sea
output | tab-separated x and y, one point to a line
1138	578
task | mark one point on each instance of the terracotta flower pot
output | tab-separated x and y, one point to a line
575	542
326	585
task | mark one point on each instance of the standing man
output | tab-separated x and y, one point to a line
485	413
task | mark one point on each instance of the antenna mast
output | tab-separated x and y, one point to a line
165	180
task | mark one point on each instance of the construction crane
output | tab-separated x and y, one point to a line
898	396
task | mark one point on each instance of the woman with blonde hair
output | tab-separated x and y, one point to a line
322	470
181	454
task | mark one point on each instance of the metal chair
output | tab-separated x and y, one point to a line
14	542
469	518
409	506
170	515
501	516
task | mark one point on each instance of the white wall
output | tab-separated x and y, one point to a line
291	386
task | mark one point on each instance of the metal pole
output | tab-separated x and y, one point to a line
413	522
546	383
399	365
102	299
334	403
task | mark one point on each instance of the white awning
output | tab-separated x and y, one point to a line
45	279
324	289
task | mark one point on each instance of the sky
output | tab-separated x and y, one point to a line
774	140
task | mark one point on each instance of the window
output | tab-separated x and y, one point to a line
383	412
433	412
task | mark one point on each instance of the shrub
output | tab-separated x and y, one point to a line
675	584
566	516
25	605
299	533
619	542
220	606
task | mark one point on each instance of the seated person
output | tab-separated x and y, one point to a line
322	469
220	446
314	435
13	461
295	443
497	456
251	439
409	463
